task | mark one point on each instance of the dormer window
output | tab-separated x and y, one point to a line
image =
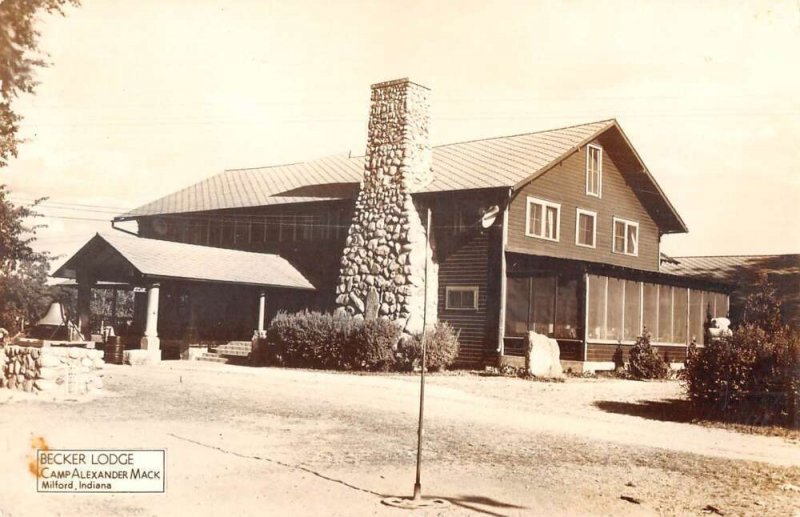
594	170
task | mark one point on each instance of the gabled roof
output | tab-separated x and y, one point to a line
503	162
165	259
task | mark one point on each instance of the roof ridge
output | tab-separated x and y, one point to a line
302	162
500	137
524	134
237	169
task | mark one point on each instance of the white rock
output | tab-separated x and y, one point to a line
47	360
44	385
49	373
141	357
543	358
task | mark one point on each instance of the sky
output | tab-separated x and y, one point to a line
145	97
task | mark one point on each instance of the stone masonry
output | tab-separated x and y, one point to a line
51	370
383	263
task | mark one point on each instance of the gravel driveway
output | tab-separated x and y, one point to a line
292	442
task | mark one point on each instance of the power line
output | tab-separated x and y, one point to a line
45	199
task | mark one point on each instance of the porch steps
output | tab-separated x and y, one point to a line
236	352
212	357
235	349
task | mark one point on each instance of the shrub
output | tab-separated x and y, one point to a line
645	362
750	377
442	349
371	345
310	340
316	340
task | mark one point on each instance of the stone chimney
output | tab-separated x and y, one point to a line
383	262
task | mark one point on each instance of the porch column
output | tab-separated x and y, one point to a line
262	302
84	299
150	340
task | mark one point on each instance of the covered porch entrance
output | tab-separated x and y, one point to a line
186	295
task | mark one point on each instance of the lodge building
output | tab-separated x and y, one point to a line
557	232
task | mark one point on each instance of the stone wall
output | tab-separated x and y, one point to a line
51	370
383	263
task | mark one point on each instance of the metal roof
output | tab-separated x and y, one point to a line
737	269
502	162
166	259
478	164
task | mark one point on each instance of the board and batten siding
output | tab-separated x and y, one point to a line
565	184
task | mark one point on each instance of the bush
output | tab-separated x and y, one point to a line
337	342
442	349
310	340
315	340
371	345
750	377
645	362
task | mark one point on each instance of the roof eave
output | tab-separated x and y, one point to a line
682	228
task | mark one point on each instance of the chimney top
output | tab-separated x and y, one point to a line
394	82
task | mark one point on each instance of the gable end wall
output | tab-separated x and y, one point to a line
566	184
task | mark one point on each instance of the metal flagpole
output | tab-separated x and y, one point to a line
418	485
417	501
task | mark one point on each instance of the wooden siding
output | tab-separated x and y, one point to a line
605	352
566	184
469	255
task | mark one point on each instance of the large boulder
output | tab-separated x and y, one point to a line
544	357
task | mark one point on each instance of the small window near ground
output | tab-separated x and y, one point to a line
586	228
542	219
626	237
465	298
594	171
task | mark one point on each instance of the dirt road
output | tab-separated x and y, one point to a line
242	441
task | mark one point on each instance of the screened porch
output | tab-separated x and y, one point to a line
590	313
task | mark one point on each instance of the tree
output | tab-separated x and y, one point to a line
762	306
19	58
24	294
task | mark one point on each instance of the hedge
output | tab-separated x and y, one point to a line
339	342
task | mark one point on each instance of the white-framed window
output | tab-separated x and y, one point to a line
594	170
542	219
461	297
585	228
626	237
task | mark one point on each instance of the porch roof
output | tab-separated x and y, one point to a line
120	257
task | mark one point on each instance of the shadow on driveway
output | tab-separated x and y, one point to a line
479	504
669	410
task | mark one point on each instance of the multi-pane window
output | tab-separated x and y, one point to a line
461	298
585	228
626	237
594	171
542	219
